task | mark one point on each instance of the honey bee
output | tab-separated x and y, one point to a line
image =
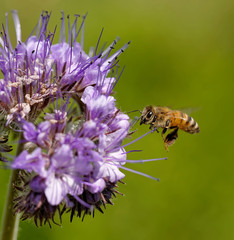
165	118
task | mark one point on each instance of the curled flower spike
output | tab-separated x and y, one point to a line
61	99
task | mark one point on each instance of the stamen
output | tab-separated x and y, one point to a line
116	81
69	28
74	28
142	161
77	34
7	33
110	47
140	173
82	34
115	55
151	131
42	28
132	151
62	37
17	25
52	39
98	41
108	91
39	23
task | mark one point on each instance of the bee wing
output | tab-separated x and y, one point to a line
189	110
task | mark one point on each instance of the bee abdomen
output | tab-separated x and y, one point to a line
191	126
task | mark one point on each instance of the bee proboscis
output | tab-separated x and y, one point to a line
165	118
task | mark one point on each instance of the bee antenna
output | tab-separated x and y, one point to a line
137	110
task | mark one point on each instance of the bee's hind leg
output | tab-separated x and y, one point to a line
170	138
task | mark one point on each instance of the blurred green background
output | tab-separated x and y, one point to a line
181	55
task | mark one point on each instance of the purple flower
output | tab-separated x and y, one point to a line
97	186
76	157
39	136
31	162
61	179
99	106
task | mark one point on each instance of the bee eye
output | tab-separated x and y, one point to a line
149	114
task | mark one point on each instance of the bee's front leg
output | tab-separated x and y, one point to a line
152	127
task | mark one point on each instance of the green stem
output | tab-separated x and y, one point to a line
10	220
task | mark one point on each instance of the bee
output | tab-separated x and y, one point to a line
165	118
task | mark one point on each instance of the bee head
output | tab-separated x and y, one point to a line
147	115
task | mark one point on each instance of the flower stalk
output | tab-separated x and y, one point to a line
10	223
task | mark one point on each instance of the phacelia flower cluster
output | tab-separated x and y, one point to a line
59	100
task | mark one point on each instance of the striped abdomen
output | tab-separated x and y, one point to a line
183	122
